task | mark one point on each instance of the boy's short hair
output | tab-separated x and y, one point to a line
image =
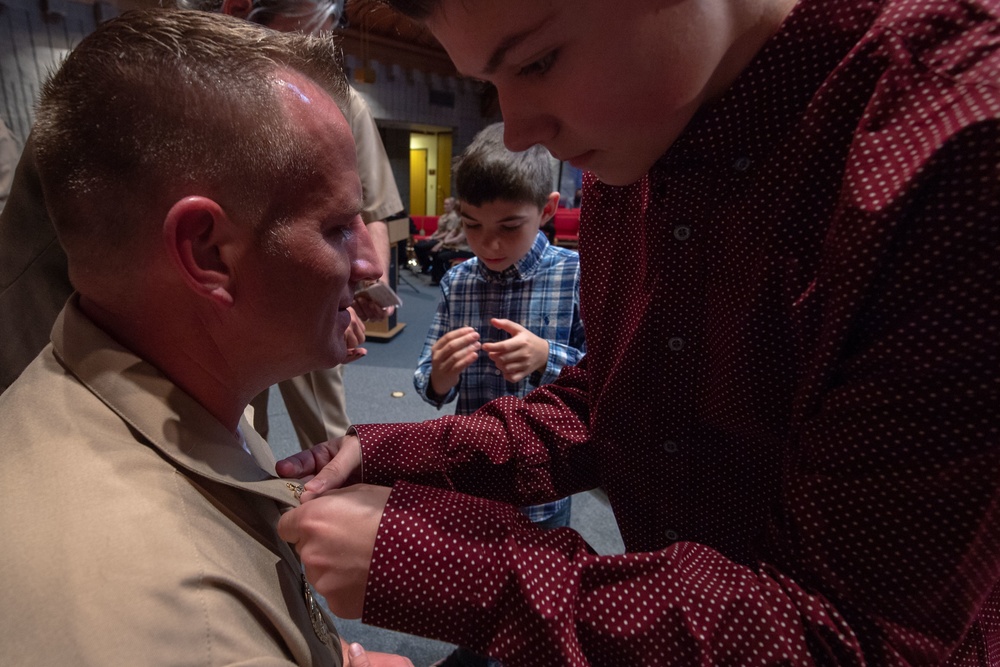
486	171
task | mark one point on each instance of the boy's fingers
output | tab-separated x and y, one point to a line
513	328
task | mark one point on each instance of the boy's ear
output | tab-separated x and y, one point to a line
198	237
551	204
238	8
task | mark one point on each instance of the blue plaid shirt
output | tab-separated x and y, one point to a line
541	292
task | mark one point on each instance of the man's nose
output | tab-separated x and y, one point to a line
365	264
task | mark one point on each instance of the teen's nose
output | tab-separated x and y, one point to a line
525	123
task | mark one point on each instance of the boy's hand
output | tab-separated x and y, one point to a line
520	355
451	354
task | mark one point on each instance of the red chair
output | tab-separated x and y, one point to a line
567	223
426	225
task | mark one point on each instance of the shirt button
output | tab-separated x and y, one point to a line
741	164
496	371
682	232
675	343
671	535
670	446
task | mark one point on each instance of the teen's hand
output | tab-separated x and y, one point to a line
335	536
451	354
334	463
520	355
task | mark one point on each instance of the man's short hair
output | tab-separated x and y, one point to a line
161	104
487	171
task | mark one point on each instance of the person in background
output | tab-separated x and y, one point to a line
10	151
214	251
509	319
452	248
425	249
789	260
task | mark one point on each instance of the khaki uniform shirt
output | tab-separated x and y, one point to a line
136	528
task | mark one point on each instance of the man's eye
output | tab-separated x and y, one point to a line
540	66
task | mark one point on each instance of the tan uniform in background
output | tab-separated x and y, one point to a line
34	283
10	152
162	554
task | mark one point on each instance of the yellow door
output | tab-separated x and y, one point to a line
418	181
443	171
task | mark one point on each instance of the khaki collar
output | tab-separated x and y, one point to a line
166	417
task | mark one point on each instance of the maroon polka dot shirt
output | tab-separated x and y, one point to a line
790	394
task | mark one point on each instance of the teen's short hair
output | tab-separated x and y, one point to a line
487	171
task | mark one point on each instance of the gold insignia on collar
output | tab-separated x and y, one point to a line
315	615
295	488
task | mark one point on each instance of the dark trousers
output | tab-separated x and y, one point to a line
422	249
442	262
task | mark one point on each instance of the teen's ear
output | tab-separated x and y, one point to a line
551	204
198	237
238	8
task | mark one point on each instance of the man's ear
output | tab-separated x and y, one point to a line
238	8
551	204
197	235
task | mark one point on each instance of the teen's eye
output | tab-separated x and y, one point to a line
540	66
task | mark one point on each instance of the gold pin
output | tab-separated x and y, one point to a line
295	488
315	615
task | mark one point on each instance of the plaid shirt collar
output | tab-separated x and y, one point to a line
521	269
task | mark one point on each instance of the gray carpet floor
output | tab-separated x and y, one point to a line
371	384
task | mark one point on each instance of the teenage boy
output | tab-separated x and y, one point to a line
789	252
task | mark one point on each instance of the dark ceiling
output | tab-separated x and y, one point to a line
377	32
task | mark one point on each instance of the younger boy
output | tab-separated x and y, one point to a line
509	318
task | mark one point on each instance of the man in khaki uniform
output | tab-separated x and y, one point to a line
202	181
34	285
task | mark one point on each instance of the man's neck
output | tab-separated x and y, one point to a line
182	358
